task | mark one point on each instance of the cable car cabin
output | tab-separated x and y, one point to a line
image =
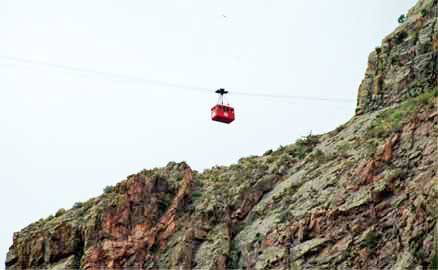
222	113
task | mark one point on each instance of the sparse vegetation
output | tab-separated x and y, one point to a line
343	149
402	18
395	60
424	12
60	212
108	189
319	156
196	195
434	263
267	152
77	205
400	37
393	119
258	238
304	146
372	240
163	205
370	148
283	217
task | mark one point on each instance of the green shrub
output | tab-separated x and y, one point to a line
402	18
371	240
395	60
258	238
268	152
283	217
310	140
196	195
60	212
108	189
304	146
400	37
280	149
301	151
417	250
77	205
163	205
434	263
319	156
424	13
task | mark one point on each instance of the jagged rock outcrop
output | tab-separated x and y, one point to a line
405	65
363	196
113	230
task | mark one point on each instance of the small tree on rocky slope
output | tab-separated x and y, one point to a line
402	18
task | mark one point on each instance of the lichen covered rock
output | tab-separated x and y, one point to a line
405	65
363	196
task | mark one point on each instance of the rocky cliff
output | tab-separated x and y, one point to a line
364	196
405	64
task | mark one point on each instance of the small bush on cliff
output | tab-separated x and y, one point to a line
268	152
108	189
60	212
196	195
77	205
310	140
163	205
402	18
424	13
393	119
416	249
258	238
343	149
301	151
434	264
305	145
400	37
371	240
318	156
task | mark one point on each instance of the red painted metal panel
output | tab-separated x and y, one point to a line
222	113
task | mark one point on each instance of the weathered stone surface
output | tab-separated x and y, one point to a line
404	262
68	263
270	256
301	249
210	252
363	196
402	67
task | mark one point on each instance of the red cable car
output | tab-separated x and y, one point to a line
220	112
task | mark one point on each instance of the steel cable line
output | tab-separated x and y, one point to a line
103	73
168	84
291	97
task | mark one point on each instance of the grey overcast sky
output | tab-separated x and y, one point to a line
64	135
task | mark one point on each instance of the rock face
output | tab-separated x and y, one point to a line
363	196
405	65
